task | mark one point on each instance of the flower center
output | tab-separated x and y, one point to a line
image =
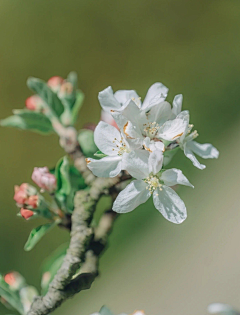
121	146
151	129
152	183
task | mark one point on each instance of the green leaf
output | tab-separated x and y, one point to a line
37	233
28	120
62	174
99	154
51	266
10	296
105	311
46	94
73	79
77	105
86	141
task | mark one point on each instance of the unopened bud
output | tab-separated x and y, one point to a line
27	295
26	213
45	278
14	280
33	201
34	102
44	179
55	83
66	89
68	140
20	195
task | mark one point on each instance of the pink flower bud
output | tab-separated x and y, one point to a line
55	83
21	195
107	118
44	179
34	102
26	214
14	280
33	201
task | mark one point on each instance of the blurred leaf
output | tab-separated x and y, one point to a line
28	120
105	311
47	95
77	105
37	233
73	79
10	296
86	141
99	154
51	266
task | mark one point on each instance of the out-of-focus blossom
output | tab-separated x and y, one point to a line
44	179
14	280
55	83
26	214
27	295
26	194
34	103
65	89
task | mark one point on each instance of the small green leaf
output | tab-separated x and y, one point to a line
46	94
99	154
37	233
105	311
28	120
51	266
77	105
73	79
62	175
86	141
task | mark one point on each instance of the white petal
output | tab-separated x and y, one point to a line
169	204
160	113
177	104
205	151
123	96
172	129
173	177
107	100
189	154
155	161
108	118
223	309
104	137
131	197
155	95
136	163
109	166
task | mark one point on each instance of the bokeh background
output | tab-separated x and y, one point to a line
193	47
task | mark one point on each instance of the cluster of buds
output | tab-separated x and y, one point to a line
26	197
44	179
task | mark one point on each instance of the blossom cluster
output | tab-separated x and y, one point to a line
141	140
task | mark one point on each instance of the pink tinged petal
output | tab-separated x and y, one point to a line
107	100
136	163
155	95
131	197
177	104
169	204
108	166
104	137
190	155
205	151
173	177
155	161
108	118
160	113
172	129
123	96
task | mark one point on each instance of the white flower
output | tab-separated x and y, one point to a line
110	141
189	146
165	199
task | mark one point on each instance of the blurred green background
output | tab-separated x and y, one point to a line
193	47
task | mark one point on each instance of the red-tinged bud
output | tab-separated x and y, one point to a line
66	89
34	102
107	118
21	194
44	179
14	280
55	83
26	214
45	278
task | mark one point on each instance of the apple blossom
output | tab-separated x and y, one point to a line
44	179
